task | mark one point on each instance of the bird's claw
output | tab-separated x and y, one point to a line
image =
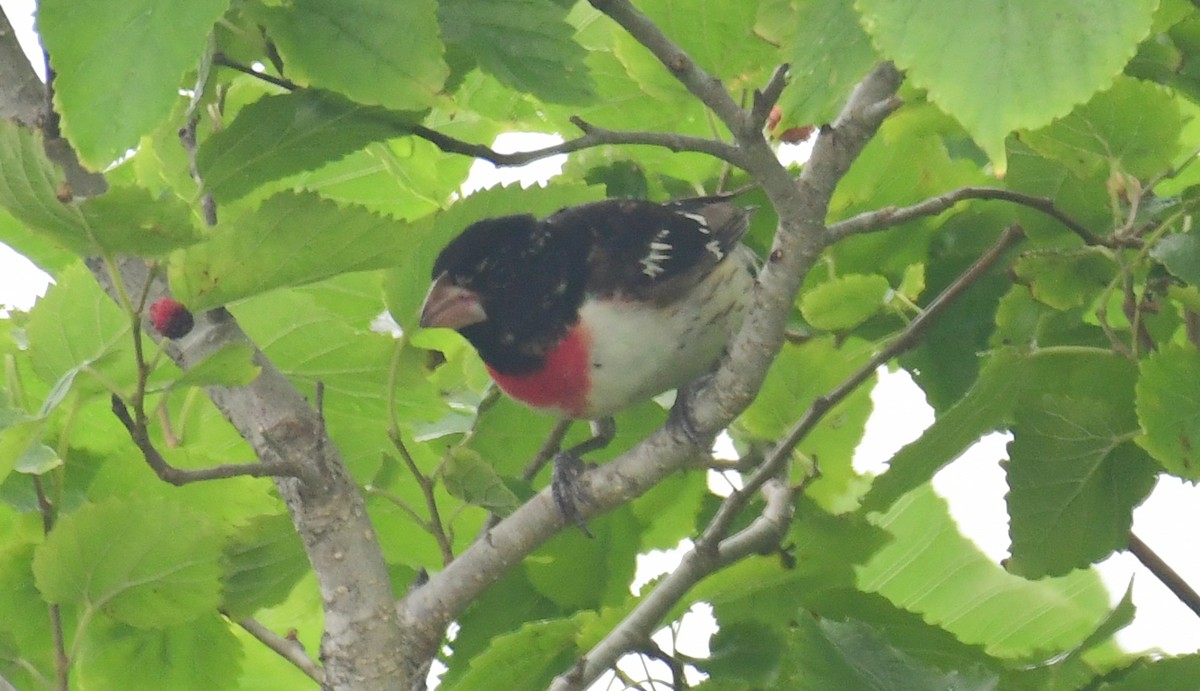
680	417
566	489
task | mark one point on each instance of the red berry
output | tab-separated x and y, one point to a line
171	318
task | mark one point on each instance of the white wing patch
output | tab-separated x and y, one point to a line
659	252
700	220
715	248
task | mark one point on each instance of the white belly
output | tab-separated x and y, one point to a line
639	351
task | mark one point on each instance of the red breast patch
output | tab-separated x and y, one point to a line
561	384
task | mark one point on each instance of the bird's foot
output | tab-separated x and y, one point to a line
567	490
680	417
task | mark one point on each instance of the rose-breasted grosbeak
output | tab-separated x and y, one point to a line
596	307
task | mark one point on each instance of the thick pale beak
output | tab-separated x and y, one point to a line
450	306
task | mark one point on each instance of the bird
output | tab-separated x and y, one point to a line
596	307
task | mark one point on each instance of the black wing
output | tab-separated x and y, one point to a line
641	250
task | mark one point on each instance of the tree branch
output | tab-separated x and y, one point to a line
23	98
22	94
1164	573
635	629
287	648
593	136
179	476
882	219
703	85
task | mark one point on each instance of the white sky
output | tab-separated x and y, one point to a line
974	485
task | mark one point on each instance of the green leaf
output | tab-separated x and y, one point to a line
1163	673
827	53
1067	279
16	440
527	658
1120	617
720	36
121	220
825	550
31	187
38	459
24	634
45	252
263	563
118	67
525	44
77	326
58	392
377	52
507	604
668	510
197	656
232	365
1180	253
145	573
130	220
280	135
783	399
913	283
932	570
1003	66
844	302
1132	127
851	655
403	178
1074	478
311	342
1168	407
290	240
747	651
982	410
553	568
475	481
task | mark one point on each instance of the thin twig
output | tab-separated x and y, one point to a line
767	97
653	651
551	446
1164	573
287	648
882	219
426	484
222	60
62	663
695	79
179	476
592	136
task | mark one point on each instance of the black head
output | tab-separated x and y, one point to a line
512	285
